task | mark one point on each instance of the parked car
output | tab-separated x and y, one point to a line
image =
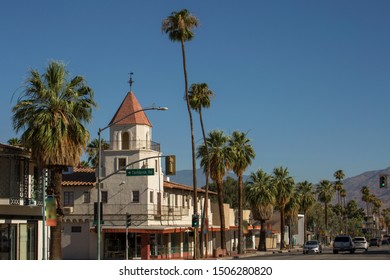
385	241
312	246
375	242
343	243
360	243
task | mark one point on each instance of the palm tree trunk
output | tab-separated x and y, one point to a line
304	227
240	216
282	246
326	223
206	201
55	232
221	214
196	241
262	242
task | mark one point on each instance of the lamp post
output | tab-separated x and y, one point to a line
99	178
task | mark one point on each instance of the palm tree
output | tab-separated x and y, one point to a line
242	154
219	156
14	142
52	110
199	96
284	185
307	201
179	27
292	211
338	185
325	194
93	151
365	191
260	194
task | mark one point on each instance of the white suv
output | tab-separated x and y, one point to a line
360	243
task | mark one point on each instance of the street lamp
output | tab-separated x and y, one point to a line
99	178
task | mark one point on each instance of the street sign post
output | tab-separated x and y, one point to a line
140	172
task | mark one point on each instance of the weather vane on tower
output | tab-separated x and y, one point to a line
131	80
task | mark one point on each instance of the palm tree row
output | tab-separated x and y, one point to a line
219	154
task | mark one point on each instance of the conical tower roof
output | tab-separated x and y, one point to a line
130	105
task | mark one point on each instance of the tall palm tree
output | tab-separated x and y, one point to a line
242	154
52	111
199	96
93	151
325	194
338	185
284	185
179	27
219	156
260	194
307	201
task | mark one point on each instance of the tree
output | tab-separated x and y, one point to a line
365	191
260	193
52	110
179	27
325	194
284	185
93	151
338	185
199	96
307	201
242	155
291	212
14	142
219	156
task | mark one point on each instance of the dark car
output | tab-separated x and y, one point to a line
385	241
343	243
375	242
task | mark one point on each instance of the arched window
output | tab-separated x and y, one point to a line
125	141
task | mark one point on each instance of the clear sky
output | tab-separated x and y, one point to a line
308	80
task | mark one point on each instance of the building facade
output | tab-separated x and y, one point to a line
21	203
160	210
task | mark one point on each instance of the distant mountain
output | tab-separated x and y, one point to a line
353	185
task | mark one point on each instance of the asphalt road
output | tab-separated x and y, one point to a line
373	253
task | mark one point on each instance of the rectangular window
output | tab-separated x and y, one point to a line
176	200
151	199
68	199
76	229
122	163
104	196
86	197
135	196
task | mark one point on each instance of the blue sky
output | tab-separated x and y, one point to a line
308	80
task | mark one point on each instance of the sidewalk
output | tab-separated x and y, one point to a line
254	253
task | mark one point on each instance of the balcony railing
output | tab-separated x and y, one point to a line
132	145
117	212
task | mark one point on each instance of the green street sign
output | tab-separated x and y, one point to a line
140	172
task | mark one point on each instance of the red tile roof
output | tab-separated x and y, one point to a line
79	177
130	105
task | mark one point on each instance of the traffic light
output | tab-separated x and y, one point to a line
128	220
170	165
382	181
195	220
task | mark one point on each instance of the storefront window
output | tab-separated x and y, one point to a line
7	242
27	241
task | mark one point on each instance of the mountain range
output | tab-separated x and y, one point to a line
353	185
